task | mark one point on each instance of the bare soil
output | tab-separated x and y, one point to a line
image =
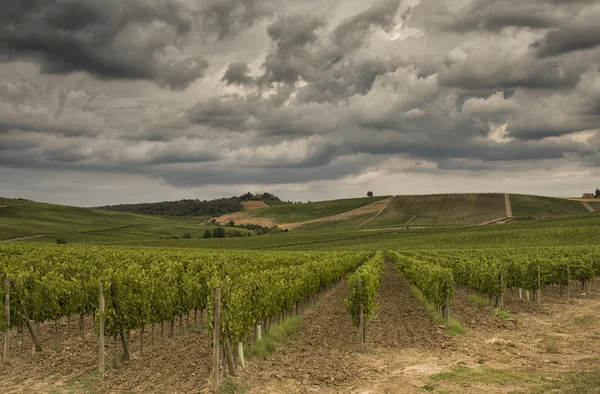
509	213
245	218
250	205
68	363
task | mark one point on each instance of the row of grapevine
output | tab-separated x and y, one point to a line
151	285
435	282
362	291
491	271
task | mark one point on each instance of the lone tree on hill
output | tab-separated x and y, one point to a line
369	194
598	193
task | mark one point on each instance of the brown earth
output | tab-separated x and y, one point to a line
588	206
404	348
68	364
245	218
509	213
250	205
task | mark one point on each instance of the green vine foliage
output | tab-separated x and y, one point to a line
362	288
153	285
435	282
482	269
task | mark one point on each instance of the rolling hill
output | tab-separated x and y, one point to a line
21	218
452	210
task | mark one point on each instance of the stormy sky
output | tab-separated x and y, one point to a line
145	100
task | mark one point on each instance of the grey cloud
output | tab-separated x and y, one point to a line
569	39
110	39
318	97
351	31
460	16
229	17
237	74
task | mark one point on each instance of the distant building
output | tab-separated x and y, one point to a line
588	195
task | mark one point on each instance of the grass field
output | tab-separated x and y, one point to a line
24	219
534	206
292	213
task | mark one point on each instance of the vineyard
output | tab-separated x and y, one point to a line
595	205
345	300
532	206
452	209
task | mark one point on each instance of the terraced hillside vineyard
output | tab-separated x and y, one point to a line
534	206
441	209
595	205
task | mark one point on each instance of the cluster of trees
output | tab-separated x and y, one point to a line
191	207
598	193
220	232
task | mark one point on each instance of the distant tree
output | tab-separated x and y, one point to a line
187	236
219	232
234	233
213	221
598	193
207	233
231	223
61	241
369	194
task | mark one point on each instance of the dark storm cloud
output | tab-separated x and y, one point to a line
298	93
569	39
303	51
109	39
494	15
351	32
229	17
237	74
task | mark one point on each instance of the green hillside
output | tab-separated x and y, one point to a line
440	209
20	218
292	213
535	206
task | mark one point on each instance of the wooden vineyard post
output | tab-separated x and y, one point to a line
501	290
216	339
361	326
258	332
568	283
241	354
447	305
7	316
101	366
539	289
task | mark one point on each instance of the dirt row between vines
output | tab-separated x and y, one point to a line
405	348
324	355
68	363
